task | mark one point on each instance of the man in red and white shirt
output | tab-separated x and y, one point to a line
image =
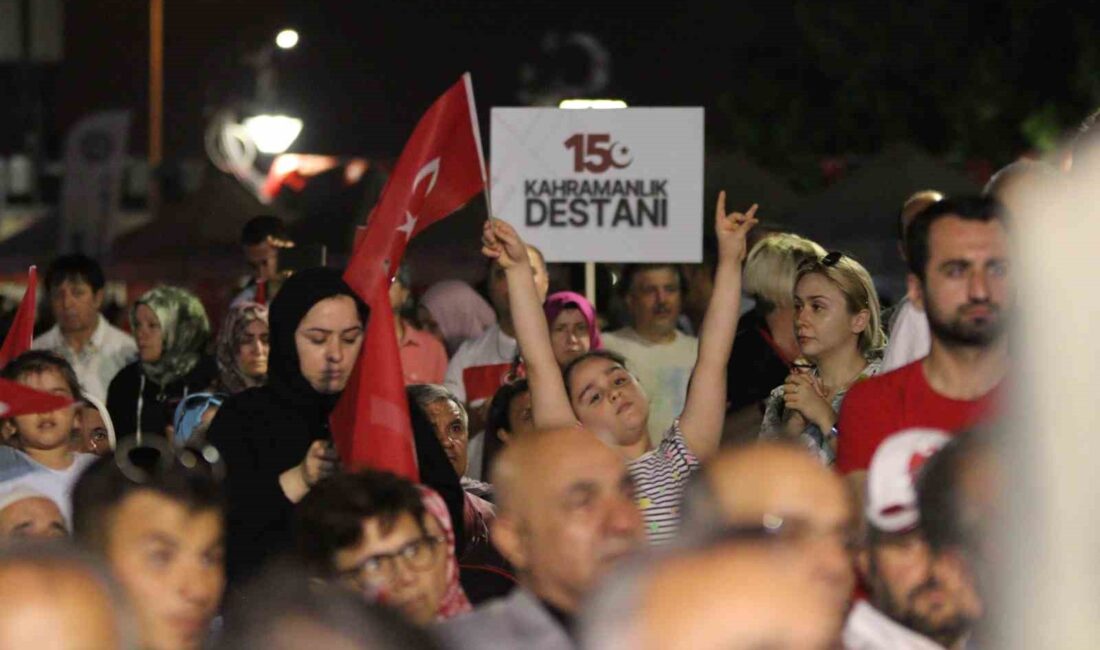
909	607
958	257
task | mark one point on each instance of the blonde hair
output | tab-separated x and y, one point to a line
771	267
855	283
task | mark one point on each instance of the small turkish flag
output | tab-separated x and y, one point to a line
17	399
21	332
441	168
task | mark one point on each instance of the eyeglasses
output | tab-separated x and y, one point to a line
418	555
142	461
787	531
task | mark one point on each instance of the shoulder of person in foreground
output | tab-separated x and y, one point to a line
516	620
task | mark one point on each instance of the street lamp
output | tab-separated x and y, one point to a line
286	39
592	103
273	134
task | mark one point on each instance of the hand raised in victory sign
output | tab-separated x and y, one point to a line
731	230
502	243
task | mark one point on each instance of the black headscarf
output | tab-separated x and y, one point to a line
299	294
264	431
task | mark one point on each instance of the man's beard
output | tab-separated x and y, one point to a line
944	632
956	331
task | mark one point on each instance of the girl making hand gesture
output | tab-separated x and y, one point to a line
598	391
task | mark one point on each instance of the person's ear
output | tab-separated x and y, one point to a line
97	298
916	291
863	564
507	535
860	321
7	431
504	435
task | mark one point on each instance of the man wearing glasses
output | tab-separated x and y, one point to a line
374	533
781	495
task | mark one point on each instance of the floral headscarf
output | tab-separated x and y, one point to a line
454	601
184	327
240	316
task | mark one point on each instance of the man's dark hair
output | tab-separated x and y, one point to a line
630	271
938	492
499	419
284	608
75	267
258	229
103	487
330	517
35	362
970	208
567	372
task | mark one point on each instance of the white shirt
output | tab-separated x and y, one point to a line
17	469
869	629
493	347
108	351
663	369
909	338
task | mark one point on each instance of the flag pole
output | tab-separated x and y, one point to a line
468	80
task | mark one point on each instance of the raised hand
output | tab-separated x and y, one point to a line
731	230
502	243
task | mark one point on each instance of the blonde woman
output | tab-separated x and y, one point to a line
838	327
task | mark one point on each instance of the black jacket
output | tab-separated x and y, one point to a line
159	403
754	368
262	432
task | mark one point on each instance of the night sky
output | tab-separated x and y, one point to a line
365	70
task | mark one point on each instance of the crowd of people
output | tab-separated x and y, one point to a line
788	465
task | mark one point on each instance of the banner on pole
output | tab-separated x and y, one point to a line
623	185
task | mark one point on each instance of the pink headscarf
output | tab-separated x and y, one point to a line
454	600
556	302
460	312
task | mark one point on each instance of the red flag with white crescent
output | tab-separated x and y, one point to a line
441	168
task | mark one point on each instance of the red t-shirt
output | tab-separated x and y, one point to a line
880	406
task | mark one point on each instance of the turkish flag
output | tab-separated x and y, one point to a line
17	399
21	332
441	168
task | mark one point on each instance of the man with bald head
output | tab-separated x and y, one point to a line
565	514
26	514
56	598
786	495
735	593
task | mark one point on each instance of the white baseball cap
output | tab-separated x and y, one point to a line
891	478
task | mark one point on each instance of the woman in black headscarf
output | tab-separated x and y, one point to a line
275	439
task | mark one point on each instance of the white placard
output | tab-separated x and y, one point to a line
622	185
